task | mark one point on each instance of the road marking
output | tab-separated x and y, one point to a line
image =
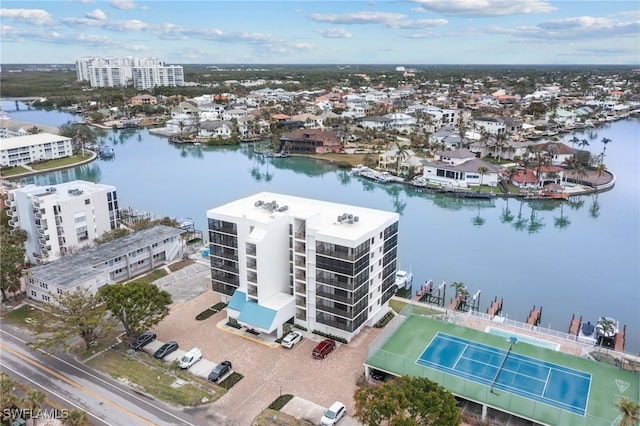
101	380
76	385
55	394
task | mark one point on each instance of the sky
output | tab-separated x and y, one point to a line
400	32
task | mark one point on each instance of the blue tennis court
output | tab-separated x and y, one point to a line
552	384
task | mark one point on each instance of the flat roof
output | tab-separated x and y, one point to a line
357	223
61	190
29	140
70	270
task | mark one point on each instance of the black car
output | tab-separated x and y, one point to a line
143	340
165	350
378	375
219	371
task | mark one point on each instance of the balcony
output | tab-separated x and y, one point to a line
58	221
9	202
40	231
13	223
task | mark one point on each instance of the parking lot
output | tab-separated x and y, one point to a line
268	371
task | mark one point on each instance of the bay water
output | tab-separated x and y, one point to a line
577	257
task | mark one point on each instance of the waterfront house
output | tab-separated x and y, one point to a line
216	129
29	148
389	161
311	141
459	169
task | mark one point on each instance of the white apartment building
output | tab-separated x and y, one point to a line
325	266
118	260
108	76
84	65
153	76
62	218
18	150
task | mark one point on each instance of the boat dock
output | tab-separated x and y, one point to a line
574	325
495	308
456	302
619	339
535	315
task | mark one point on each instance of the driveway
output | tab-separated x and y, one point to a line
268	372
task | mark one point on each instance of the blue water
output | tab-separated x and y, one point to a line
522	338
578	257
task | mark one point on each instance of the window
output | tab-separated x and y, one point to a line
44	285
33	293
46	298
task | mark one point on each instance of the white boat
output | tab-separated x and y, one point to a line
404	280
606	332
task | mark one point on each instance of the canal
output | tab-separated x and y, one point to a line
578	257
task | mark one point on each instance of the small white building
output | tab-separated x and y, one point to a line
18	150
112	262
64	218
280	259
459	169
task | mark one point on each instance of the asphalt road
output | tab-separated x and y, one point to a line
74	385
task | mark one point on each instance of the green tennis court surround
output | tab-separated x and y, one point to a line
543	385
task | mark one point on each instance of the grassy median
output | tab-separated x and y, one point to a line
155	378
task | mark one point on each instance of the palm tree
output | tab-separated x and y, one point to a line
574	140
630	411
8	398
76	418
34	399
483	170
401	155
461	289
600	169
605	141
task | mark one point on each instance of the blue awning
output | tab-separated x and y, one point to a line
251	314
257	316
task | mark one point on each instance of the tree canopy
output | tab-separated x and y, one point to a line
406	401
69	315
138	306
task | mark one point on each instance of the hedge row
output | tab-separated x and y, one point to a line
384	320
211	311
230	381
280	402
330	336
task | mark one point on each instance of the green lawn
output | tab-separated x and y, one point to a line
151	277
155	378
24	315
61	162
18	170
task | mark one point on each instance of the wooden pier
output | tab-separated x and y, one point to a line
534	316
456	301
495	308
425	289
574	325
619	339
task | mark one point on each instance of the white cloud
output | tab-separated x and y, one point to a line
485	8
125	4
575	28
334	33
37	17
383	18
96	14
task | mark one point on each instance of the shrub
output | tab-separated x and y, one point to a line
280	402
210	311
330	336
234	323
384	320
230	381
299	327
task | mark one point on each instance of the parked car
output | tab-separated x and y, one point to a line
194	355
291	339
143	340
219	371
378	375
323	348
333	414
165	350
